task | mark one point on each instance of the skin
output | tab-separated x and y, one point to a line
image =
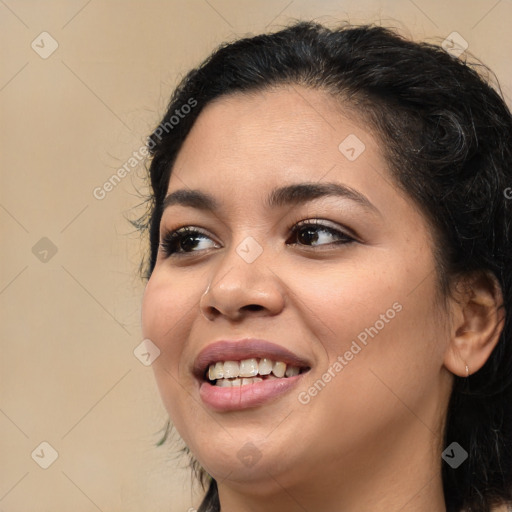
372	438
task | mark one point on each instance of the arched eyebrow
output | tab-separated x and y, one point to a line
289	195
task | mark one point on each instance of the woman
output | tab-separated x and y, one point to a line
330	272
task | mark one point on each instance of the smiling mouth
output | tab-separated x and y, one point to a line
249	371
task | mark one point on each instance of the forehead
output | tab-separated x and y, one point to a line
248	142
289	120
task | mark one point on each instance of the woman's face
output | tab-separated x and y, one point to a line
310	246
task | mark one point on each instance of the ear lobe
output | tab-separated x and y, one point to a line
477	323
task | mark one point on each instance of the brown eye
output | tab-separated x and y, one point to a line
314	233
184	241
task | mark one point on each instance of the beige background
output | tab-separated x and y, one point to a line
70	320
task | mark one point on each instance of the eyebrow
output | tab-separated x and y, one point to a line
289	195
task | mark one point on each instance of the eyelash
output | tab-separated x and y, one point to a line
172	239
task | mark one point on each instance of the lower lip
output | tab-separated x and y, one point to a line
245	397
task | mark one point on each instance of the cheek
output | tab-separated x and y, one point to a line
158	313
167	301
167	307
378	320
170	306
388	340
340	304
164	309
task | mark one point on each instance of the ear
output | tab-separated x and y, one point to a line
478	318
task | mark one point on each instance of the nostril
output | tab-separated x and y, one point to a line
253	307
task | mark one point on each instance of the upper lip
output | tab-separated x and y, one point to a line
247	348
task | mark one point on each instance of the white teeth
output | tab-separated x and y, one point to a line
291	371
231	369
225	383
248	368
279	369
216	371
251	380
219	370
265	366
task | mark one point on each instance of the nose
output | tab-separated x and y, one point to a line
238	288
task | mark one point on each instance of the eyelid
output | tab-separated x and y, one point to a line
318	221
183	229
